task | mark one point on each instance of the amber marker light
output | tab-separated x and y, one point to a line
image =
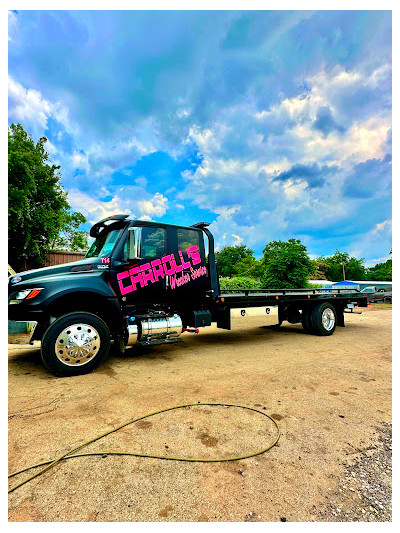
33	293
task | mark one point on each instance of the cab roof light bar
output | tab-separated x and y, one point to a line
95	230
200	225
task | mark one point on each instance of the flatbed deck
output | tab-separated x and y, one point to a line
246	297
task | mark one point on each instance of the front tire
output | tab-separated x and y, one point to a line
323	319
75	344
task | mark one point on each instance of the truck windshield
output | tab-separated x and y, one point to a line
104	244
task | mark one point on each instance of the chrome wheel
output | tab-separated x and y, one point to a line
328	319
77	344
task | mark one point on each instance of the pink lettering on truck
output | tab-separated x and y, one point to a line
139	277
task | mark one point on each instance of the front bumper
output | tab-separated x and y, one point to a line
20	332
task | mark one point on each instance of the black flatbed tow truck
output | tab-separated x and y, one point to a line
147	283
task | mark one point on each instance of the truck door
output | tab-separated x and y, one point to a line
190	279
142	280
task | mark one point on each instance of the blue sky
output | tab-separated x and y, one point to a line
269	124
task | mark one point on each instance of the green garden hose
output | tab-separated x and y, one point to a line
68	455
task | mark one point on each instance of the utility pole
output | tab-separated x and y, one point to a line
344	272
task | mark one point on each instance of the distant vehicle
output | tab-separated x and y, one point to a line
378	295
370	289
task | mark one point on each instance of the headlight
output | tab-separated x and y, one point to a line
23	294
28	294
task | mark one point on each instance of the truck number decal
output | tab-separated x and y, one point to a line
128	280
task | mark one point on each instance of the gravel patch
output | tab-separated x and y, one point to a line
364	493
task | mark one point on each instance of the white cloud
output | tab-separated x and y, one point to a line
93	209
294	189
134	201
204	138
12	25
33	110
361	142
80	160
28	106
134	145
141	181
383	227
51	149
238	240
378	239
100	159
155	206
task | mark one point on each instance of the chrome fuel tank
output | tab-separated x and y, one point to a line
154	328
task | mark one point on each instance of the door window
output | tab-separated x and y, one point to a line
187	238
153	242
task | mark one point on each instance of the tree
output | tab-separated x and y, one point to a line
321	268
250	267
71	237
355	269
341	266
38	210
381	271
228	258
287	265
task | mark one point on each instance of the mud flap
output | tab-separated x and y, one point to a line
340	318
224	318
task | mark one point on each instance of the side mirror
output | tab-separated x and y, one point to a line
134	240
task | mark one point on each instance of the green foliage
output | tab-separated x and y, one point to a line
287	265
320	268
250	267
355	269
38	209
70	237
341	265
239	283
228	258
381	271
309	285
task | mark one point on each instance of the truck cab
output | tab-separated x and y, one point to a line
134	268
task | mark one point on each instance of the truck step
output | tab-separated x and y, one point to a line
159	341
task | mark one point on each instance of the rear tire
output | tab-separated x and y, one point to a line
75	344
387	300
323	319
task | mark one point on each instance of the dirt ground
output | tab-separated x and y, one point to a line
330	395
